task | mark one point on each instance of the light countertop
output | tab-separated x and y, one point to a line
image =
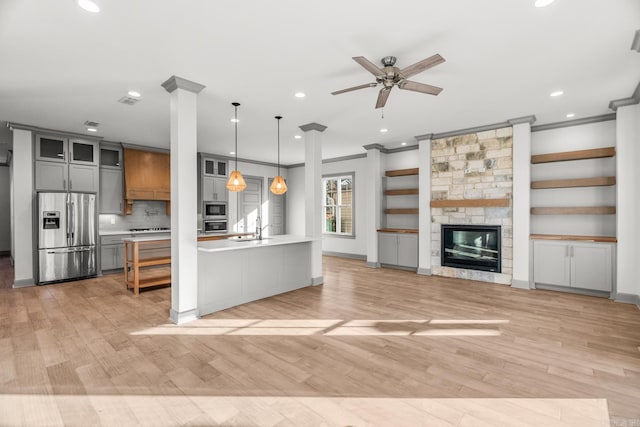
117	232
235	244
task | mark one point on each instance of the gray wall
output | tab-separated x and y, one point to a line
5	211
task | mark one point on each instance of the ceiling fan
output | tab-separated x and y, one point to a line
390	76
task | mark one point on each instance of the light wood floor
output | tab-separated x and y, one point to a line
369	347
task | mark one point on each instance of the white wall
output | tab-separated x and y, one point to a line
295	201
22	206
594	135
5	217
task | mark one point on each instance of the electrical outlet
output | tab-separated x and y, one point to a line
113	219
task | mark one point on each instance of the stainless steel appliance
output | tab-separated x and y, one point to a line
66	236
215	210
215	226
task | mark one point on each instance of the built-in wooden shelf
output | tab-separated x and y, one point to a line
401	211
402	172
470	203
577	182
604	239
401	192
584	210
398	230
595	153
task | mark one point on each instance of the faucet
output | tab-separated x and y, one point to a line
259	228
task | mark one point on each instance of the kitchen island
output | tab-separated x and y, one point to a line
236	271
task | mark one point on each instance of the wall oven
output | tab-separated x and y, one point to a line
215	226
215	210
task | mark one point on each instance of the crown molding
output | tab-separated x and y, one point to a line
312	126
576	122
175	82
632	100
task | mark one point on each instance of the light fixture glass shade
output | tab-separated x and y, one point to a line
278	186
236	182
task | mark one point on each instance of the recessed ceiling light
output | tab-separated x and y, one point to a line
383	130
298	137
300	95
556	93
92	129
403	143
232	152
543	3
235	120
134	94
89	6
570	115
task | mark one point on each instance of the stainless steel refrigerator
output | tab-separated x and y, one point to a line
66	236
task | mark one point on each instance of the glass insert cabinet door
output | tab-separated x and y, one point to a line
84	152
51	148
110	158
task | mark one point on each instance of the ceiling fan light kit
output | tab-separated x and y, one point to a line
278	186
390	76
236	181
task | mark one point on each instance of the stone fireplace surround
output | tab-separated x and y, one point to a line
472	167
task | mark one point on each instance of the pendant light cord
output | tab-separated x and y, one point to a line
235	122
278	118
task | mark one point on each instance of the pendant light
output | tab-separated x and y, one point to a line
236	181
278	186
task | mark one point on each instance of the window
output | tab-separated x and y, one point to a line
338	205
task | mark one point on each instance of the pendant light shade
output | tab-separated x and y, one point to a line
278	186
236	180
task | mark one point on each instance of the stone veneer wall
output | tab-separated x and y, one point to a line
473	166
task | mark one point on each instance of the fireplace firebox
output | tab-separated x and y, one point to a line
474	247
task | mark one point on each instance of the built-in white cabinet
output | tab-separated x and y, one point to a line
214	189
66	164
574	264
399	249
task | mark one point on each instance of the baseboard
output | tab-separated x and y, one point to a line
24	283
520	284
424	271
628	299
184	317
579	291
373	264
5	253
317	280
345	255
399	267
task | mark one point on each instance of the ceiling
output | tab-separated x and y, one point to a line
62	66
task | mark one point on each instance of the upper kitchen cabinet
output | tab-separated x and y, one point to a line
147	176
214	167
111	188
66	164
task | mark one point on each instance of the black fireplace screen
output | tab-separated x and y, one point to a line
474	247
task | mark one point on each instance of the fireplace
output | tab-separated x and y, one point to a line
474	247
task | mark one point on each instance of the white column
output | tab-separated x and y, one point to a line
628	202
521	210
424	202
21	208
184	181
313	195
374	202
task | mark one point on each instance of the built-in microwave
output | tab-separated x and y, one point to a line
215	210
217	226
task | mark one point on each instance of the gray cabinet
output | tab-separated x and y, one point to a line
111	252
214	189
214	167
64	164
574	264
111	191
400	249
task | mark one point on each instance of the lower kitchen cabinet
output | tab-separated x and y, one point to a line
111	252
399	249
574	264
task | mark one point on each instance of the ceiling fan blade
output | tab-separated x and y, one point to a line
419	87
369	66
419	67
338	92
382	97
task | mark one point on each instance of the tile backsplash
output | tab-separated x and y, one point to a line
146	213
